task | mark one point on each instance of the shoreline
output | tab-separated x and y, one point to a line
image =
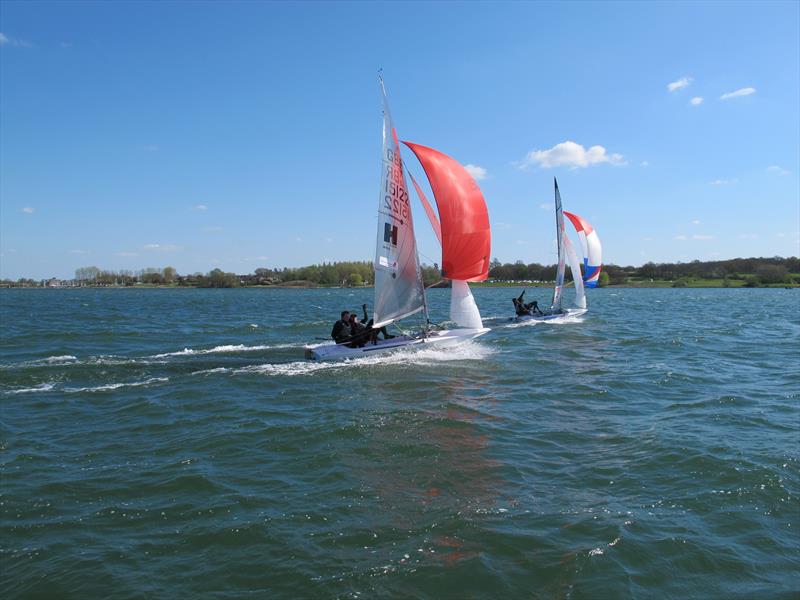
525	285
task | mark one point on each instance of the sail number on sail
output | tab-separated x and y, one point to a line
396	194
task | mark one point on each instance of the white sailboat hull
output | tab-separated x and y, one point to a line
443	338
569	313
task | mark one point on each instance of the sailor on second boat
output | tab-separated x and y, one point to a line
523	309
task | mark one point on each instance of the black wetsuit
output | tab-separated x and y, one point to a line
341	331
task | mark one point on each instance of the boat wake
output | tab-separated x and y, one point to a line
423	357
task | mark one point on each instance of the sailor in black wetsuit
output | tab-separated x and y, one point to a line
523	309
342	330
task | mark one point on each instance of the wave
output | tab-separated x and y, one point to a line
61	359
225	349
44	387
114	386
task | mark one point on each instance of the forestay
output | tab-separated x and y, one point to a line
398	280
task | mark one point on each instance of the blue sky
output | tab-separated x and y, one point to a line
240	135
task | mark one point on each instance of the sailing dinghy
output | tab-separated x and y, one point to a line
592	261
463	229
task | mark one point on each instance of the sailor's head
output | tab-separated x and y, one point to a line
345	315
353	318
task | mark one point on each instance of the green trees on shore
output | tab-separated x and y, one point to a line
738	272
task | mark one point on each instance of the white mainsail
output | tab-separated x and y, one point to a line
577	278
399	290
556	305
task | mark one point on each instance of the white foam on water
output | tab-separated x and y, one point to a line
61	359
423	356
115	386
44	387
210	371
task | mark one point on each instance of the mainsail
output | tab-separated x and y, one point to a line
398	280
592	250
556	305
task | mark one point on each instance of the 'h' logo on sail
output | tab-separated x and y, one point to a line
390	234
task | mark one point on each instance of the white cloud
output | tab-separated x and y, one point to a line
738	93
696	101
28	210
570	154
681	237
679	84
696	222
127	254
200	207
162	247
702	237
477	172
777	169
7	41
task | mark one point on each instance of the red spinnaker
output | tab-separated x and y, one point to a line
466	237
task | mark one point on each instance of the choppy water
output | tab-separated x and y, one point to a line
175	444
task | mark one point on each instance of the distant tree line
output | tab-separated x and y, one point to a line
751	271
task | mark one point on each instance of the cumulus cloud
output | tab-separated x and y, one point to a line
477	172
679	84
738	93
29	210
777	169
200	207
570	154
162	247
696	101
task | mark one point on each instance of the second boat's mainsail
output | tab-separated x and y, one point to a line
556	304
399	291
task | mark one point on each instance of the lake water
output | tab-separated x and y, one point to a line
176	444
